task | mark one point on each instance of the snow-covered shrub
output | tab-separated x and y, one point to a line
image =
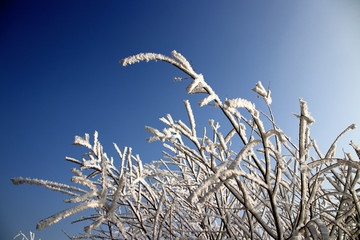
250	182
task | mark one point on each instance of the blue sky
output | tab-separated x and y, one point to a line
60	77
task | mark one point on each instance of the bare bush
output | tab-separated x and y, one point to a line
249	182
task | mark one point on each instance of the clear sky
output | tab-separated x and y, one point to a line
60	77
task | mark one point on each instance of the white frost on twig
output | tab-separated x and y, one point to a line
260	90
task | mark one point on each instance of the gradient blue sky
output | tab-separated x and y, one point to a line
60	77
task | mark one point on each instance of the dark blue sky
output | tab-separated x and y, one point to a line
60	77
